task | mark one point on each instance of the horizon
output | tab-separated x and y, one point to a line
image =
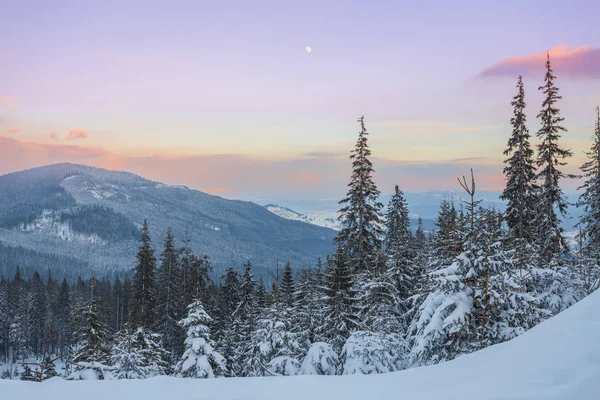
250	115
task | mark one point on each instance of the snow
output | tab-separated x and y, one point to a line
326	219
50	223
558	359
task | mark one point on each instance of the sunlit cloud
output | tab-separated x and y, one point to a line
77	133
12	131
52	135
582	62
8	101
323	154
235	175
403	127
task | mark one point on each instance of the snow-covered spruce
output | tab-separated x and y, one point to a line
139	354
320	360
372	353
200	359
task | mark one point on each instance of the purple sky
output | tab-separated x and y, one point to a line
222	96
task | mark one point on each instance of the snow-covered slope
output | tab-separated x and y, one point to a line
326	219
558	359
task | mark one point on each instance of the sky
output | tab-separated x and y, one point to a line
223	96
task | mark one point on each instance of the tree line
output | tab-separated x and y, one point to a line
386	299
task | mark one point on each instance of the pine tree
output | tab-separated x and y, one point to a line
287	287
446	242
49	369
320	359
200	359
360	216
590	198
273	348
341	314
4	321
520	173
28	375
307	313
144	284
224	329
62	317
170	296
37	313
371	353
92	341
550	157
18	334
244	319
262	297
139	354
402	268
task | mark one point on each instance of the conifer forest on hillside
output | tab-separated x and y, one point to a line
386	299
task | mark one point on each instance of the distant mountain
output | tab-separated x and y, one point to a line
91	217
329	219
326	219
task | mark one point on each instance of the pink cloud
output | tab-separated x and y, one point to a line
51	135
582	62
13	131
7	101
77	134
234	175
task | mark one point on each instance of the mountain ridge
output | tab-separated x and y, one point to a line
35	202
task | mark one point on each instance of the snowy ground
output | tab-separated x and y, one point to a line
559	359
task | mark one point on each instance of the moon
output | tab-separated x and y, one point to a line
308	49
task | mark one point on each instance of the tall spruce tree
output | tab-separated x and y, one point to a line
144	284
550	157
590	198
360	216
61	310
224	330
399	246
170	296
287	287
92	340
341	314
520	175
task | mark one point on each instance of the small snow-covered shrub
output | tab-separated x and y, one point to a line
371	353
91	371
284	365
320	360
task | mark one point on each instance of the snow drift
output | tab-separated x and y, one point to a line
558	359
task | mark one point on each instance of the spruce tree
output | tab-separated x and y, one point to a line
520	179
92	340
400	252
4	321
225	330
307	313
170	297
273	348
244	319
62	317
589	223
18	334
340	309
590	198
287	287
200	359
144	284
139	354
360	216
550	158
37	313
